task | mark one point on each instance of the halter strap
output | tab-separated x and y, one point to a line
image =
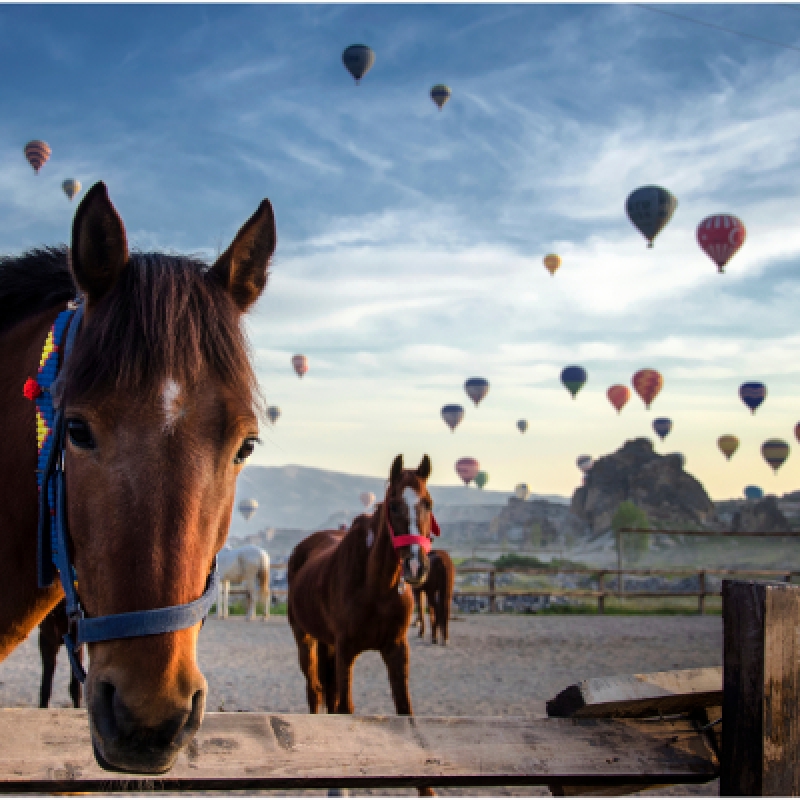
409	539
53	532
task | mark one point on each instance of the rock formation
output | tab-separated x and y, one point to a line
763	515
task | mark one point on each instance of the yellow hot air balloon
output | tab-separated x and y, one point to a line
728	444
552	262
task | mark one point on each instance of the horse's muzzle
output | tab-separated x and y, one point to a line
121	744
415	566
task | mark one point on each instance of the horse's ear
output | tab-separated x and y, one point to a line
242	269
397	470
99	252
424	468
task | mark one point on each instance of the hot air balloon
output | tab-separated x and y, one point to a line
775	452
753	492
584	463
522	491
477	389
300	364
648	383
650	208
481	479
440	94
573	379
662	426
721	235
522	425
367	499
37	152
753	395
552	262
248	507
358	59
452	415
274	414
71	187
797	431
728	444
467	469
618	395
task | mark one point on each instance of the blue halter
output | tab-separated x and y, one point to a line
53	533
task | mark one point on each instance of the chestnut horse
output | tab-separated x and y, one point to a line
160	405
51	636
438	591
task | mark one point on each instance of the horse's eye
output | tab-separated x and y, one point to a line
80	435
426	504
246	450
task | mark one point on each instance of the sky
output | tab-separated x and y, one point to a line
410	241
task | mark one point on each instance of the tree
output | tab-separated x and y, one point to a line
629	515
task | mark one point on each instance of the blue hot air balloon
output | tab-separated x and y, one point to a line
452	415
753	395
753	492
477	389
662	426
650	208
573	379
358	60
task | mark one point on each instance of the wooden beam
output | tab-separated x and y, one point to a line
47	751
644	695
761	706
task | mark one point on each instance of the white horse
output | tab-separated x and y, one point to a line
248	565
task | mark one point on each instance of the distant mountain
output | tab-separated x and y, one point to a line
306	497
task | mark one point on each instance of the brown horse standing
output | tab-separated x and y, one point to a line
51	636
438	591
160	404
350	592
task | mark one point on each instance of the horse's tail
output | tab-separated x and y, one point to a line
262	577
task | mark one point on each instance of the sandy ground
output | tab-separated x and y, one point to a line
494	665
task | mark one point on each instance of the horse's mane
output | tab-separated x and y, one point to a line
167	317
33	282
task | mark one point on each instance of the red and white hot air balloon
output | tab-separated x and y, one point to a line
721	235
467	469
300	364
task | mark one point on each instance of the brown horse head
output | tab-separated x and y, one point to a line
409	508
161	410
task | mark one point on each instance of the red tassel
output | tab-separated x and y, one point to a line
31	389
435	529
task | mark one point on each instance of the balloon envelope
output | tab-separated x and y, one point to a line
753	492
440	94
367	499
71	187
522	491
300	364
467	469
584	463
753	394
481	479
358	60
452	415
573	379
648	383
522	425
775	452
797	431
248	507
728	444
552	262
650	208
37	152
618	395
662	426
477	389
273	413
721	235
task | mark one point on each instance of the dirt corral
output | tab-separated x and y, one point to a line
495	665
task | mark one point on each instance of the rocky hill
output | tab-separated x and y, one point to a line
657	484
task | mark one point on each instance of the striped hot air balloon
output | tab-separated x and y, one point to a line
721	235
300	364
37	152
440	94
775	452
573	379
71	187
452	416
753	394
662	426
467	469
618	395
648	383
552	262
728	445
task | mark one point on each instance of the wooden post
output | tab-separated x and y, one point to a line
492	607
761	681
601	587
619	564
701	597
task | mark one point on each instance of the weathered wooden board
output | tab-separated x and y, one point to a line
644	695
50	751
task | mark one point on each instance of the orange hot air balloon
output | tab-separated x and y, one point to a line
648	383
552	262
618	395
37	152
728	444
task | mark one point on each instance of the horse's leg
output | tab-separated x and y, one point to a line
252	599
266	591
48	650
326	656
74	683
307	655
433	606
345	659
421	612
